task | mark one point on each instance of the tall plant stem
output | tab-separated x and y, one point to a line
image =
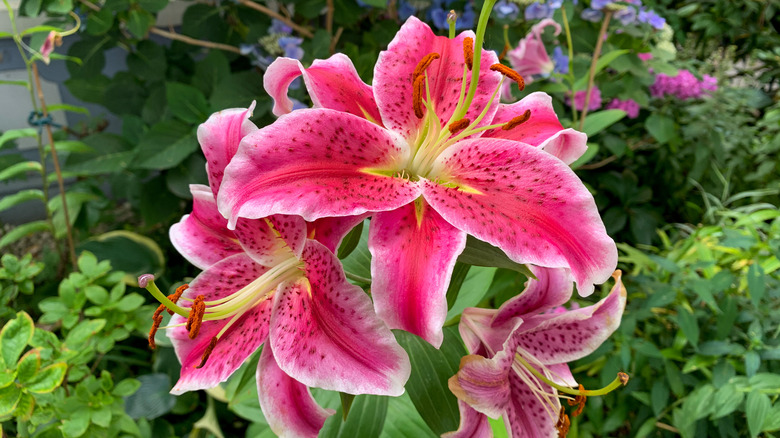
593	62
57	170
570	48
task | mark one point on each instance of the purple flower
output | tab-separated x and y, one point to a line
651	18
592	15
538	11
683	86
561	61
291	47
629	106
709	83
579	99
279	27
405	10
626	16
645	56
506	10
600	4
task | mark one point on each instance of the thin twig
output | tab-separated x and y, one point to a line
335	40
665	426
273	14
329	17
56	161
594	61
193	41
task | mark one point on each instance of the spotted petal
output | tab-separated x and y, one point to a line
316	163
394	69
413	254
219	137
237	343
552	287
330	231
324	332
526	415
484	383
472	424
202	237
526	202
576	333
287	404
332	83
542	130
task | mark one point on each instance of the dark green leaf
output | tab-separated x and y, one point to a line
480	253
456	280
153	5
139	22
186	102
152	399
91	52
688	324
148	61
350	241
726	400
366	419
100	22
473	290
88	89
127	251
59	7
661	127
756	283
21	197
757	408
601	120
166	145
210	71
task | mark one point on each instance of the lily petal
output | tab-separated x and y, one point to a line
261	242
332	83
542	130
202	237
394	69
553	287
413	254
526	202
527	415
472	424
219	137
316	163
287	404
484	383
238	342
576	333
330	231
325	334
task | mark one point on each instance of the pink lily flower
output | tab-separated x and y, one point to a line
530	56
268	282
434	158
519	353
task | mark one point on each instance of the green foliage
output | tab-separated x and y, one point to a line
16	276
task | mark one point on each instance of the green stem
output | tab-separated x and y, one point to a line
594	61
156	293
570	48
615	384
484	15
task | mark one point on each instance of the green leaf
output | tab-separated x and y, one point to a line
661	127
102	416
473	290
726	400
346	403
350	241
19	83
186	102
152	398
81	333
24	409
96	294
366	419
359	261
688	325
756	284
89	89
431	369
601	120
166	145
7	377
76	424
30	8
139	22
130	302
58	7
238	90
126	387
13	134
23	231
459	273
28	365
148	61
15	336
66	107
127	251
21	197
70	146
211	71
20	168
91	52
757	407
100	22
153	5
772	422
604	60
48	378
9	399
403	420
479	253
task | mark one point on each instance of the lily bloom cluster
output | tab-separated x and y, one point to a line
431	156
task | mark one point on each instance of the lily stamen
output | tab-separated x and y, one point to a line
458	125
516	121
424	64
195	318
578	401
417	91
157	317
563	424
511	74
468	52
207	352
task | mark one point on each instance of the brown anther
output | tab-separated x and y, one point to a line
174	297
157	320
468	52
417	95
503	52
579	401
563	424
623	378
195	317
207	353
458	125
516	121
423	65
511	74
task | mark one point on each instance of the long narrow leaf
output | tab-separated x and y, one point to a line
20	197
20	168
23	231
66	107
602	63
13	134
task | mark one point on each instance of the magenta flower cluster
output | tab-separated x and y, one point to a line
683	86
630	106
579	99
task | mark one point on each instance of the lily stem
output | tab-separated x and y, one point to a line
570	48
594	61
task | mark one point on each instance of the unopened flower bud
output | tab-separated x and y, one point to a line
452	16
143	280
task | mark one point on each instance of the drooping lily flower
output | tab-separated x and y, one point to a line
269	282
431	152
519	353
530	56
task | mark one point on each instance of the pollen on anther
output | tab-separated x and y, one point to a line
458	125
563	424
207	353
578	401
516	121
423	65
417	93
511	74
195	317
468	52
504	52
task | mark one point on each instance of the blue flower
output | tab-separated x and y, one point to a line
405	10
506	10
651	18
561	61
291	47
626	16
440	9
600	4
593	15
279	27
538	11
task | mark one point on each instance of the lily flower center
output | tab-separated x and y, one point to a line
231	307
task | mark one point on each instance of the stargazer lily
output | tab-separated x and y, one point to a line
519	353
431	152
530	56
273	282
